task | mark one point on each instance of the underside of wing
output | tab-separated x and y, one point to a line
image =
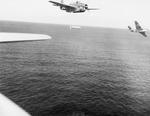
56	3
63	5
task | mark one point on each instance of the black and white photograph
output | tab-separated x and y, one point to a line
74	58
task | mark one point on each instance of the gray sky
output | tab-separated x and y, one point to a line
112	13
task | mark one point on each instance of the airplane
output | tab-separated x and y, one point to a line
138	29
76	7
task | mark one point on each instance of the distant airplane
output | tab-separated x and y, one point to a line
138	29
76	7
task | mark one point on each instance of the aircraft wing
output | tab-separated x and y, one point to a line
137	26
63	5
143	33
9	108
21	37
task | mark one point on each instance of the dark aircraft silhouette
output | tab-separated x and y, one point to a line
76	7
138	29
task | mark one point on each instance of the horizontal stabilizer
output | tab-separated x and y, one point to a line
130	29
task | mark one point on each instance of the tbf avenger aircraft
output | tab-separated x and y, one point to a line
138	29
76	7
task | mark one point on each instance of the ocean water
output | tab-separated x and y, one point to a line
79	72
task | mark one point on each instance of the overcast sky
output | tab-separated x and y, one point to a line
112	13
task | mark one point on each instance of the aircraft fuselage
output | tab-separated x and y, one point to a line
80	7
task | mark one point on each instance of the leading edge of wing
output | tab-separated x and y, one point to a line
63	5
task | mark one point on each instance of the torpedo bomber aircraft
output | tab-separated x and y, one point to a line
138	29
76	7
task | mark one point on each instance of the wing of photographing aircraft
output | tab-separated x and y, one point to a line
63	5
9	108
21	37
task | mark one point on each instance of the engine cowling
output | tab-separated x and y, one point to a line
86	6
62	8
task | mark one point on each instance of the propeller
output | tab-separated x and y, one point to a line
92	9
87	8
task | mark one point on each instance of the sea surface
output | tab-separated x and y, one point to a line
79	72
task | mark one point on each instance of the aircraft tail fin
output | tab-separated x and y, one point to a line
130	28
137	25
